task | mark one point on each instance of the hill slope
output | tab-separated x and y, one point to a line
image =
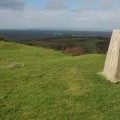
41	84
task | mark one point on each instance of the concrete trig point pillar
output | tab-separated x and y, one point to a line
112	65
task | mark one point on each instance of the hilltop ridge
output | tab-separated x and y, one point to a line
38	83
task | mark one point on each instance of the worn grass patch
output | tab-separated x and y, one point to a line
47	85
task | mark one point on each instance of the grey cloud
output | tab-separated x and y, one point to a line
12	4
104	5
88	20
109	4
50	18
89	1
56	5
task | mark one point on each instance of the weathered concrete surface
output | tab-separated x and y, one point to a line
112	65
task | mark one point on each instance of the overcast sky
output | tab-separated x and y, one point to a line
60	14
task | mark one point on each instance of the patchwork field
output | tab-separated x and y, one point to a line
42	84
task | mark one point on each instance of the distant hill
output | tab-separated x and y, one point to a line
42	84
72	45
69	42
23	35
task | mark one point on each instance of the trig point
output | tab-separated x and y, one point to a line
112	64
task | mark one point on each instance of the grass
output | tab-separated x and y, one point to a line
44	84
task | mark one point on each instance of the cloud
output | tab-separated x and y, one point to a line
57	15
56	5
99	4
89	1
109	4
33	18
12	4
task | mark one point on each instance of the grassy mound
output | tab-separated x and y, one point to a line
42	84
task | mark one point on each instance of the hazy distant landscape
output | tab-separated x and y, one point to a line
15	35
69	42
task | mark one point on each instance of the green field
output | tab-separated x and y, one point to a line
42	84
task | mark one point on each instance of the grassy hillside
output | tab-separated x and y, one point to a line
41	84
